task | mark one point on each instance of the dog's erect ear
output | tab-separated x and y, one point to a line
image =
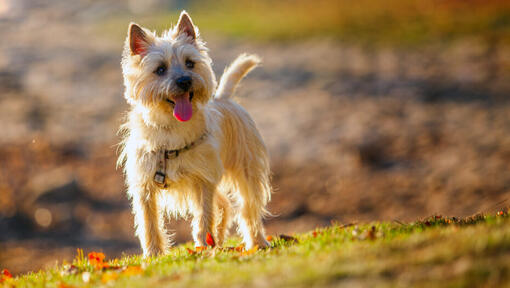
139	41
185	25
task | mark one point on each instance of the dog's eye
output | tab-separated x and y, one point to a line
160	70
190	64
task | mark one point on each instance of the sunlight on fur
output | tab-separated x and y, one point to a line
218	171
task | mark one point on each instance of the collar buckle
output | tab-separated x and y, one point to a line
163	155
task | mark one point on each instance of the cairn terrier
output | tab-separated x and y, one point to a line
188	149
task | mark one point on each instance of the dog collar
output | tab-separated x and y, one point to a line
163	155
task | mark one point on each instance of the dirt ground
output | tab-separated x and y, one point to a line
355	133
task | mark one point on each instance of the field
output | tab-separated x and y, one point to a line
435	252
372	113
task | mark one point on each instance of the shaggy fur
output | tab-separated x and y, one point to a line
223	178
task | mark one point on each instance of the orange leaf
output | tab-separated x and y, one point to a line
132	270
64	285
239	248
200	248
191	251
209	240
250	252
110	276
269	238
96	256
96	259
5	275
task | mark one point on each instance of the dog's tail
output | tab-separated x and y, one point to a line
234	73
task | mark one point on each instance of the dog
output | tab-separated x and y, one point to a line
188	149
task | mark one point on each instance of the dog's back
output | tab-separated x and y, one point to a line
244	155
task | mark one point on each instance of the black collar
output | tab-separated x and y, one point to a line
172	154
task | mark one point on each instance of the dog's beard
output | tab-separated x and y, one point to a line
172	99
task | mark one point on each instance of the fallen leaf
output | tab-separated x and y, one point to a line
288	238
132	270
64	285
250	252
200	248
96	259
210	240
269	238
371	233
109	276
191	251
5	275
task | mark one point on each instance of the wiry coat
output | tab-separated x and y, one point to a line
224	177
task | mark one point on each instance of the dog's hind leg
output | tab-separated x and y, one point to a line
224	216
252	209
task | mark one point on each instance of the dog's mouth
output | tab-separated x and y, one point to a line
183	110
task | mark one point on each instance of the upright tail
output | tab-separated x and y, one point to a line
234	73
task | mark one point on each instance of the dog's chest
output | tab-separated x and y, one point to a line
198	158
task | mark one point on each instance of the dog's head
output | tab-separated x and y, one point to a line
167	74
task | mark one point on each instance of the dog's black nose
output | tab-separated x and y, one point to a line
184	82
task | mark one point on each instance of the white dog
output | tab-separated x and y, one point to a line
188	150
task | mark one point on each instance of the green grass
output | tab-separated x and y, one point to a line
435	252
394	22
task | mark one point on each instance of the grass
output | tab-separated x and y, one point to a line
438	251
394	22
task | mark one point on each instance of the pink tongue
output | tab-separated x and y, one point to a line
183	109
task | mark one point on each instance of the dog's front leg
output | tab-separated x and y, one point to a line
149	221
203	213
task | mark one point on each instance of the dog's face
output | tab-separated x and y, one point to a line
170	74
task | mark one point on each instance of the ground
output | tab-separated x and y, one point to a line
396	112
435	252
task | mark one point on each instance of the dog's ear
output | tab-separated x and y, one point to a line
185	25
139	41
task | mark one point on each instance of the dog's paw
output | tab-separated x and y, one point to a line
263	244
202	239
260	242
153	251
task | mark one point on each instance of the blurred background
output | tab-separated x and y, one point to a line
372	110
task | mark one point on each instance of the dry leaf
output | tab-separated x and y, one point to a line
109	276
288	238
249	252
132	270
371	233
200	248
210	240
5	275
96	259
191	251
